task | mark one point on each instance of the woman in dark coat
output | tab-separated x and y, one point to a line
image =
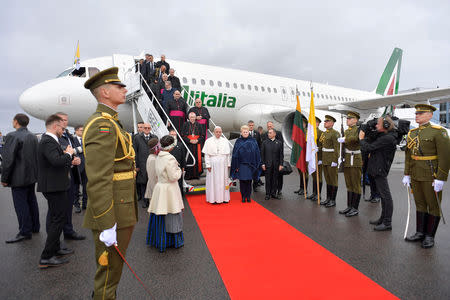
245	162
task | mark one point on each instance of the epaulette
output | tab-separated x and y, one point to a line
414	129
436	126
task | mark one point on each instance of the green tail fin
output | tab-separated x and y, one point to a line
389	81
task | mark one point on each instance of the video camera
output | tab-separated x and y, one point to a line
401	127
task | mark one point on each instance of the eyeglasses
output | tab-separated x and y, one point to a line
147	128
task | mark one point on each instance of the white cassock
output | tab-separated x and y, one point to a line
218	158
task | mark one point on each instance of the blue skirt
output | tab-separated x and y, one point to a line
159	238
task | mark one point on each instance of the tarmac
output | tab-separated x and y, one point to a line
404	269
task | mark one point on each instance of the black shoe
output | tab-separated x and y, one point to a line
77	210
52	262
243	200
382	227
275	197
146	203
64	251
18	238
299	191
416	237
324	202
331	203
74	236
352	212
428	242
312	196
248	200
376	222
267	197
344	211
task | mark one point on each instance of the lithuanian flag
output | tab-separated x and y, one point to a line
298	138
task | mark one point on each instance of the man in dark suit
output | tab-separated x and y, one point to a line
78	143
164	63
279	137
257	136
174	80
20	173
272	163
53	181
148	68
142	152
66	139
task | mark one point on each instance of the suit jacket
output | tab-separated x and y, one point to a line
65	140
257	136
272	153
53	166
20	158
76	143
142	152
148	71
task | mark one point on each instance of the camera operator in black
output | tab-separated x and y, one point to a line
371	134
382	151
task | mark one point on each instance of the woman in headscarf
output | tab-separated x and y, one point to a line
245	162
165	228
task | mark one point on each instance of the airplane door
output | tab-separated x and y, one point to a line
124	63
284	95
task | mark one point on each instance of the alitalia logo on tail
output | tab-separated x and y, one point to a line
220	100
389	81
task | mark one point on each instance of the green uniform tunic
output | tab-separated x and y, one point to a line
353	160
111	189
424	144
330	154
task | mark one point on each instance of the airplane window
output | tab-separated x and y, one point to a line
283	91
318	95
335	98
256	88
326	96
194	81
227	84
242	86
93	71
202	81
275	90
235	85
249	87
81	72
268	89
65	73
184	80
303	93
292	92
211	83
219	83
262	88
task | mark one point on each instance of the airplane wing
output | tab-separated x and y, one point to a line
434	96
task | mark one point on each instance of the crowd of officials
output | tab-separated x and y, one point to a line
100	163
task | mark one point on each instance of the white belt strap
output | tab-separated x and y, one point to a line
352	153
327	150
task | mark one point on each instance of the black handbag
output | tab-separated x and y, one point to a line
287	169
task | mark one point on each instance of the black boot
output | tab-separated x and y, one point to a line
327	199
320	190
355	204
349	203
421	221
333	194
432	226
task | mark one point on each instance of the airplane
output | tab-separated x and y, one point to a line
232	96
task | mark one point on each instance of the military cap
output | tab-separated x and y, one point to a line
352	114
318	120
424	108
104	77
329	118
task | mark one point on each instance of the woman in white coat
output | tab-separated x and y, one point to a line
165	228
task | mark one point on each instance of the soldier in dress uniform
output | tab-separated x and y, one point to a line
313	196
330	155
426	169
352	164
112	208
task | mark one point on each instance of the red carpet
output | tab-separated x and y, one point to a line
260	256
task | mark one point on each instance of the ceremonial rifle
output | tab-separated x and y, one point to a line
342	148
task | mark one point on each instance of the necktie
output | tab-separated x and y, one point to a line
147	137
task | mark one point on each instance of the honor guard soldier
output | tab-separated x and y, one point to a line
352	164
313	196
112	208
426	169
330	155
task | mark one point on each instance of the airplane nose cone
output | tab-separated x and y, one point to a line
31	102
26	100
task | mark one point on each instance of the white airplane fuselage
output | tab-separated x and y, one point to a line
232	96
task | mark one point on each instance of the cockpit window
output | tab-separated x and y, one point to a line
93	71
65	73
81	72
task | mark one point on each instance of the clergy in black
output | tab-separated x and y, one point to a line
177	109
202	114
192	134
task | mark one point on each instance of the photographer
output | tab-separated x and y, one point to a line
381	147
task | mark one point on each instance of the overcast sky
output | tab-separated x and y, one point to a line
345	43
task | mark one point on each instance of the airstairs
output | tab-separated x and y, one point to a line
145	104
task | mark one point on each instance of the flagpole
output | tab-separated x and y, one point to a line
317	180
304	185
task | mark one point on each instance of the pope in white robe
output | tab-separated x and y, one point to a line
218	162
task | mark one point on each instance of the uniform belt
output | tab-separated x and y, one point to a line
416	157
123	175
327	150
352	153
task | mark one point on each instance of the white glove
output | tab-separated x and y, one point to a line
406	180
341	140
333	164
109	236
339	161
438	185
319	162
